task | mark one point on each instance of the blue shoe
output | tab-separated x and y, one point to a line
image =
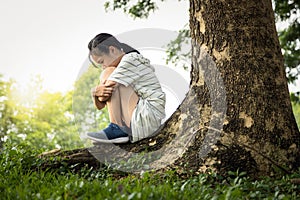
112	134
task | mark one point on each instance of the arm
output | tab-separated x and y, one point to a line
98	104
102	93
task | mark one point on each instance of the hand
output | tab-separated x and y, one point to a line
104	91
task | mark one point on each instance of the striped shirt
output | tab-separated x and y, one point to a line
136	71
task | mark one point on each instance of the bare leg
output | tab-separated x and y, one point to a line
128	100
122	102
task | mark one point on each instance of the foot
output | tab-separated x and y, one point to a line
112	134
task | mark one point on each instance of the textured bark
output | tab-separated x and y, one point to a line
70	159
234	41
260	133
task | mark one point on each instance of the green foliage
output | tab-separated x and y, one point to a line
46	120
52	120
295	97
137	9
285	9
288	11
6	109
17	181
296	111
37	117
175	52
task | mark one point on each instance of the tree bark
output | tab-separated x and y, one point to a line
237	114
260	133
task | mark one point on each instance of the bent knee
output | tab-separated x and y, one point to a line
106	73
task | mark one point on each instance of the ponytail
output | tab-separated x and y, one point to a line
101	42
128	49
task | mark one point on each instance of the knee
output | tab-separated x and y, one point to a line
106	73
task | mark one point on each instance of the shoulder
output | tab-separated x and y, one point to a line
135	58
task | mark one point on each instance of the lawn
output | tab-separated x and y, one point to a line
19	181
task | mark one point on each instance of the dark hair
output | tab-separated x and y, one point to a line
101	43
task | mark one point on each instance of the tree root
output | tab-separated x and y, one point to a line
72	159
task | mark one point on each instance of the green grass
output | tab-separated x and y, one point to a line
17	182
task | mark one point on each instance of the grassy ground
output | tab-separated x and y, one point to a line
67	186
17	182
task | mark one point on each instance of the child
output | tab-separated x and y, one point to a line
130	90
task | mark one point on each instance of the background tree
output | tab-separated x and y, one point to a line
288	12
296	110
46	120
41	119
6	109
52	122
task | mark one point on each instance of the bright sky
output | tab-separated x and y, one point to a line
49	37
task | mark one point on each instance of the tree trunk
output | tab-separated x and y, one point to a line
259	131
237	114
